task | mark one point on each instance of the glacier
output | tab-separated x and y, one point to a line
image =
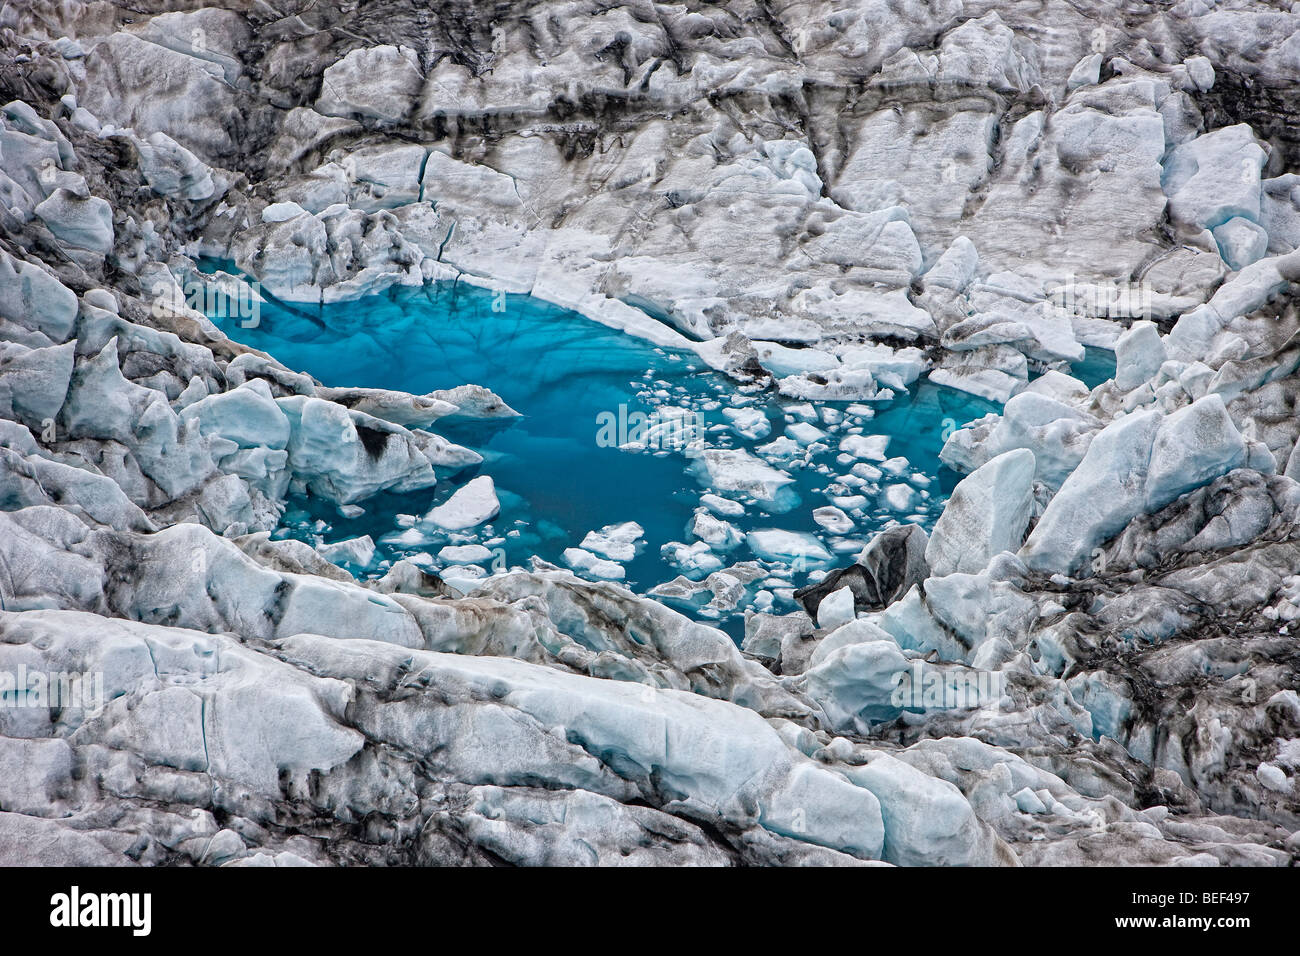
650	434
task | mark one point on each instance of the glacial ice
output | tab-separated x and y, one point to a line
1139	353
986	514
1241	241
1138	464
1215	178
83	222
835	609
375	597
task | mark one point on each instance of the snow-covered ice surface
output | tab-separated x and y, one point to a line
479	434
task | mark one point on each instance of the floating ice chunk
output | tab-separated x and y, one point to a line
986	515
723	507
463	577
400	408
870	447
737	471
346	456
672	429
582	560
464	554
407	540
717	534
845	545
781	449
833	520
471	505
721	591
900	498
849	502
748	422
359	551
895	466
618	542
803	411
836	608
445	454
788	547
804	433
691	559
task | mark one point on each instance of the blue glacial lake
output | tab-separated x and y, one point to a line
555	478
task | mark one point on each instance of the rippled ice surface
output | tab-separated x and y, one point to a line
555	480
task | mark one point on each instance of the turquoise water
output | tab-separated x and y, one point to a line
555	481
1098	366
